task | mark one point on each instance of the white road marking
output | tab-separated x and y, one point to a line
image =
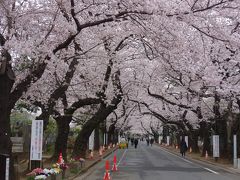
189	161
211	171
122	157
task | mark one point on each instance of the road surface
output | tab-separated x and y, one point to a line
154	163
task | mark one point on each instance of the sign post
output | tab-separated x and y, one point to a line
168	140
91	141
216	147
160	139
186	140
104	139
118	138
36	144
235	160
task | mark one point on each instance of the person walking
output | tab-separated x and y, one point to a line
147	142
183	147
151	141
135	143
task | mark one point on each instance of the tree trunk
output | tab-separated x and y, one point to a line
205	134
111	134
62	136
103	112
194	142
221	130
5	132
81	142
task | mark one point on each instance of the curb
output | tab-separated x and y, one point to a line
84	170
226	168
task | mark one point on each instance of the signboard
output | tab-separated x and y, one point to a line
91	141
17	144
235	151
7	168
106	138
160	139
118	138
186	140
215	145
168	140
36	140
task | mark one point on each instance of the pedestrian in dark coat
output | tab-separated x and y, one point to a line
151	141
136	143
147	142
183	147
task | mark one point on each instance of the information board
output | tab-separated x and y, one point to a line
186	140
91	141
160	139
215	145
7	168
36	140
168	140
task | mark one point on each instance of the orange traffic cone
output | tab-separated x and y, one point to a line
206	155
60	159
114	168
107	174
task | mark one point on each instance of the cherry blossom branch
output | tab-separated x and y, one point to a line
200	10
168	101
80	103
211	36
145	129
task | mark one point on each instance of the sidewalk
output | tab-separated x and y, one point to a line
91	162
221	163
74	169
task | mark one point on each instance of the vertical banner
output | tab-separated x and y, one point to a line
104	138
235	151
168	140
118	138
186	140
7	168
91	141
215	145
160	139
36	140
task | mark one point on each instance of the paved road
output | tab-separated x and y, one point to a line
154	163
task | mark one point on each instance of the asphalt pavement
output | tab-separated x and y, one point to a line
155	163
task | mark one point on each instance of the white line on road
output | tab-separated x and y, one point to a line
211	171
176	156
188	161
122	157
